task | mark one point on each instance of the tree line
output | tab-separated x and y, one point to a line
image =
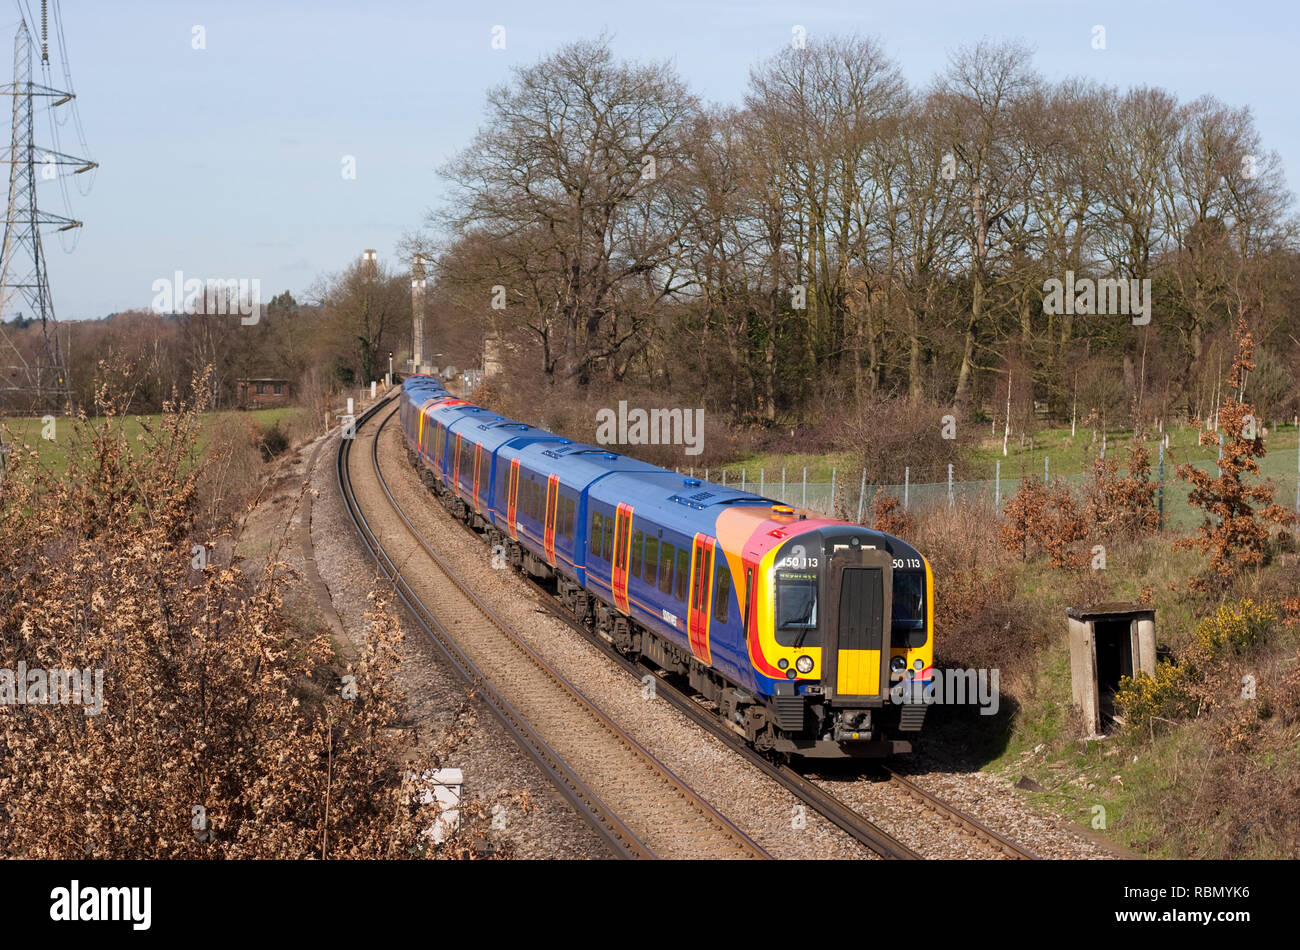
337	338
842	234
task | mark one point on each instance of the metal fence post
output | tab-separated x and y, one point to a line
831	510
950	499
1046	476
862	494
997	485
907	484
1160	491
804	503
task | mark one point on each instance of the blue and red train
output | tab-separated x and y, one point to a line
802	630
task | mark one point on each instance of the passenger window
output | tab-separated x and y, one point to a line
609	539
568	519
597	532
634	566
651	561
721	591
666	567
683	573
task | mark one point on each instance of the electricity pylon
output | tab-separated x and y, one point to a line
40	379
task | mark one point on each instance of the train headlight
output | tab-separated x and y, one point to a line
804	664
898	664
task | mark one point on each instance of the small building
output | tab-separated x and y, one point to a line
262	393
1107	643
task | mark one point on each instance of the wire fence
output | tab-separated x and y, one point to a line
849	495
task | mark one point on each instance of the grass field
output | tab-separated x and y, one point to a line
1069	457
53	453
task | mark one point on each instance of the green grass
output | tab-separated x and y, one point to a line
769	465
1069	457
27	430
1073	455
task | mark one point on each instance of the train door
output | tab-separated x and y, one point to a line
512	494
859	604
621	555
455	468
552	504
697	617
478	463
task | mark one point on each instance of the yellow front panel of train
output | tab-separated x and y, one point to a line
858	673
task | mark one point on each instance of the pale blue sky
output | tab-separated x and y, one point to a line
226	161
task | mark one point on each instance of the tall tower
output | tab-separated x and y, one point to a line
37	378
417	313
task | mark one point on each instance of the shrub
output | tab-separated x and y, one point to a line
1123	505
1145	698
1189	688
210	696
887	435
1042	518
1233	531
273	442
888	515
1232	628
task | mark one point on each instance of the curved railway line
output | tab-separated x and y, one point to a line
626	820
960	819
630	798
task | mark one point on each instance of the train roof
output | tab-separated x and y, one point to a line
578	464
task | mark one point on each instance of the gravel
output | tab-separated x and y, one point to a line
496	770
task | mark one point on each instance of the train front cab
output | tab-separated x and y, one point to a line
852	619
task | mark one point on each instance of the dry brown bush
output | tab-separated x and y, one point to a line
211	699
229	471
888	515
1240	517
1047	519
887	435
1122	505
979	620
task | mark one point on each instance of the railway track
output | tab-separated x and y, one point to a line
960	819
842	815
630	798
